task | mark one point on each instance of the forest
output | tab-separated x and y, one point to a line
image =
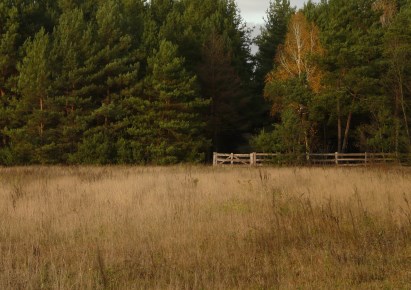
171	81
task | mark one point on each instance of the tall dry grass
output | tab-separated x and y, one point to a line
204	228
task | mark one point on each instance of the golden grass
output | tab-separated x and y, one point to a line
204	228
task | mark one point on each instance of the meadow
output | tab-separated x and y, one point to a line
189	227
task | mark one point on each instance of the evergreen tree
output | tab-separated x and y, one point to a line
136	81
182	27
9	34
397	53
222	85
352	37
72	47
34	140
9	26
271	36
34	16
173	109
112	73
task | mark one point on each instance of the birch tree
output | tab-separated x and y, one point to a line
295	66
295	57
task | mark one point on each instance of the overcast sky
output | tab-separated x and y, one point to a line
253	11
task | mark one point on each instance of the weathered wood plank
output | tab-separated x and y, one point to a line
258	159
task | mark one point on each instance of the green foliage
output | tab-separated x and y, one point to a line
285	137
36	107
363	101
296	111
177	130
272	35
352	37
94	149
222	85
167	81
378	136
9	34
397	78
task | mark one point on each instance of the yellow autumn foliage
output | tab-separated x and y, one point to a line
295	57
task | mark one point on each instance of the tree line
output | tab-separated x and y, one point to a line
341	77
122	81
169	81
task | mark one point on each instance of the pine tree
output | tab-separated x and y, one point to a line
173	111
9	34
33	141
222	85
112	72
397	53
271	36
9	26
72	46
182	26
352	37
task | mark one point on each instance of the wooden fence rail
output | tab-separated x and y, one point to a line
338	159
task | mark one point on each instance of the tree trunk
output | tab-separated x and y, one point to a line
347	130
339	126
397	122
348	124
108	100
307	145
404	110
67	107
41	122
306	139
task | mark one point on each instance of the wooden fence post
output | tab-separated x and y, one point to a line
253	159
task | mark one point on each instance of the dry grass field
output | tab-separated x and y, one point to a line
204	228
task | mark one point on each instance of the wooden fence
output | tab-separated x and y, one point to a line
337	159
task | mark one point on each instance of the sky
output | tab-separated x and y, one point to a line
253	11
